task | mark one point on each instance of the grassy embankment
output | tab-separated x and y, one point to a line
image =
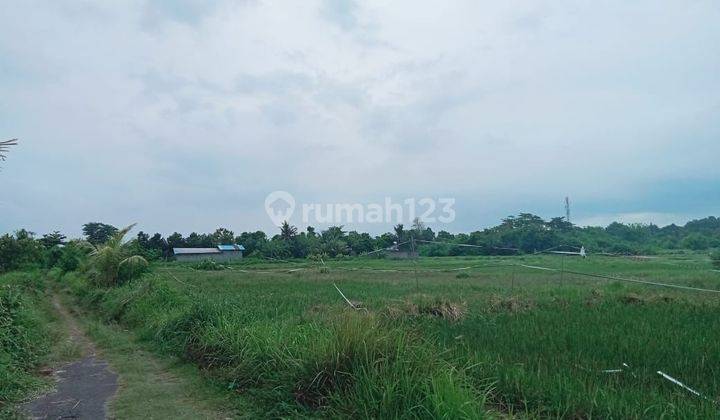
433	342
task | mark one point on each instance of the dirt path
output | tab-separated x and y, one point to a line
83	387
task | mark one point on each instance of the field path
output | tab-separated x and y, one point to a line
83	387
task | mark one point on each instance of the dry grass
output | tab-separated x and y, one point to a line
423	305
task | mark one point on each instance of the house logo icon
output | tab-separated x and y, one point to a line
280	206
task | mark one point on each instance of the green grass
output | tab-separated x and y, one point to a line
432	343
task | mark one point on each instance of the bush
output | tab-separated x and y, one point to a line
715	258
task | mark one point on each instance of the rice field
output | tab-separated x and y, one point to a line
465	337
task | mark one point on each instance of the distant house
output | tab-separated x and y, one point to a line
219	253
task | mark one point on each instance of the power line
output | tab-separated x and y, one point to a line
602	276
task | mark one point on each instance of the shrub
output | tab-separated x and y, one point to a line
715	258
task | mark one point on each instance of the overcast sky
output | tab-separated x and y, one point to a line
184	115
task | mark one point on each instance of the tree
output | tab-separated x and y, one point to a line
445	236
151	248
19	251
175	241
696	242
98	233
223	236
359	243
399	232
50	240
333	233
157	243
143	239
559	224
252	241
5	146
287	232
401	236
195	240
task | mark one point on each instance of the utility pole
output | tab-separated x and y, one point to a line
412	247
567	209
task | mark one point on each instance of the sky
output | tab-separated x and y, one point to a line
184	115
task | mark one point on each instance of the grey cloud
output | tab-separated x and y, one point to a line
503	106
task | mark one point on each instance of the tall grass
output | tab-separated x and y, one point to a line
369	368
345	364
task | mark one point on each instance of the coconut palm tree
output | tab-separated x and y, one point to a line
111	262
5	146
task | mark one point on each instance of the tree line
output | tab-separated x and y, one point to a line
524	233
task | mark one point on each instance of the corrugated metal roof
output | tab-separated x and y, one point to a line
233	247
180	251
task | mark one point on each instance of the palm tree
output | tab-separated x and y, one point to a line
111	262
5	146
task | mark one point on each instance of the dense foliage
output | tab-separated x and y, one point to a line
525	233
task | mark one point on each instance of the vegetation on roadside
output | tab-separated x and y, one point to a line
26	337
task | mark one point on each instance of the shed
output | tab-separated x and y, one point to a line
219	253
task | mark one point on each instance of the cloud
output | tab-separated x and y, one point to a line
184	115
